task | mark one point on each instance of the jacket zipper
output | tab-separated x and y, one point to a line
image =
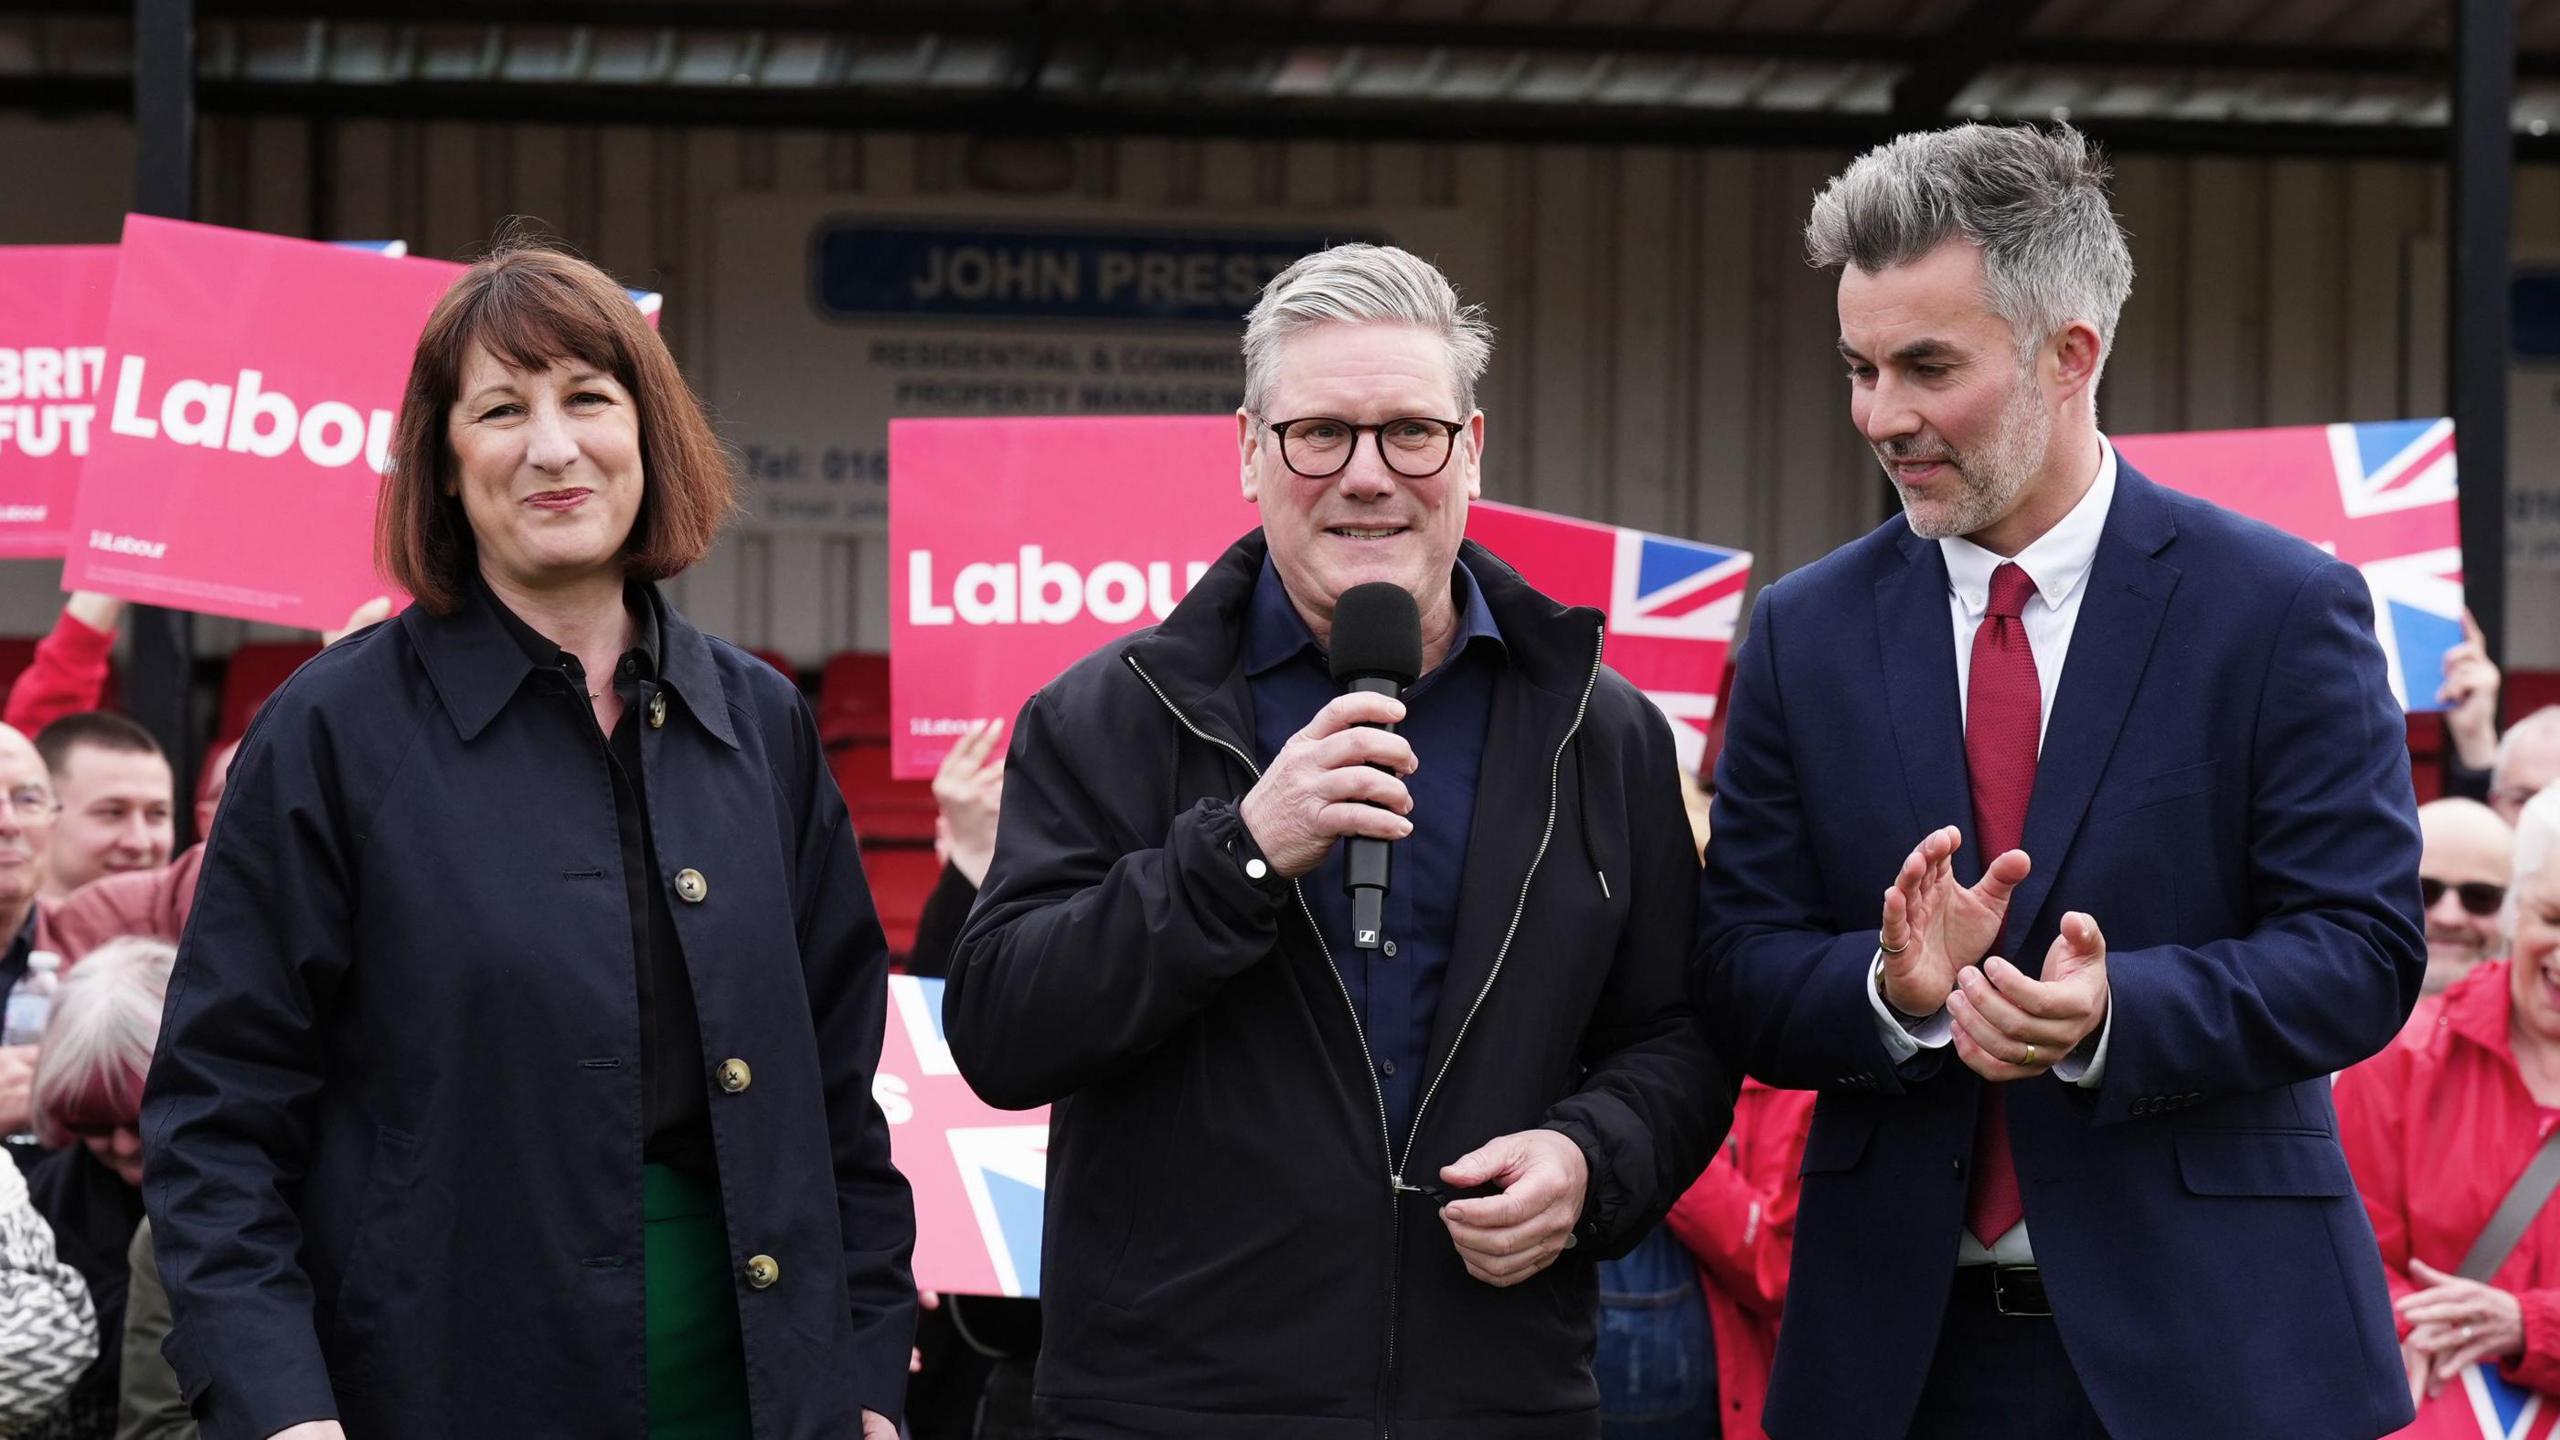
1520	907
1397	1189
1555	778
1386	1137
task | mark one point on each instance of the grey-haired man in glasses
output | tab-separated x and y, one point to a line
1307	1177
27	812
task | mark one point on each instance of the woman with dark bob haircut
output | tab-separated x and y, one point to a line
516	1079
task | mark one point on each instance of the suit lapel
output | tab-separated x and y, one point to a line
1527	725
1919	666
2110	645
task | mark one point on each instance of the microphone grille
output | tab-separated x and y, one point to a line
1377	630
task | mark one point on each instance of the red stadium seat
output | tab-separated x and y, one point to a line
2426	755
853	699
901	877
253	675
884	809
17	652
2527	691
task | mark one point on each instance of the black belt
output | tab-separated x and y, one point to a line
2010	1289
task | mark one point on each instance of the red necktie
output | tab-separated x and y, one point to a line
2003	721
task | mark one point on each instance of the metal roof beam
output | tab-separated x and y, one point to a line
1002	113
1196	30
1985	34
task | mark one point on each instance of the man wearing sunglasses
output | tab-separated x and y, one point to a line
1309	1177
2462	878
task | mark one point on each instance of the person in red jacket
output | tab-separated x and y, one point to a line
1739	1220
69	672
2438	1127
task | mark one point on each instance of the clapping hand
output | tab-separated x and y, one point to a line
1934	927
2011	1026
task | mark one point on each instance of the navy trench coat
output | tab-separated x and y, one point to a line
394	1126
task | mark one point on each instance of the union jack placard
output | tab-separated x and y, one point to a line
2504	1410
2379	496
2482	1404
980	1174
1672	604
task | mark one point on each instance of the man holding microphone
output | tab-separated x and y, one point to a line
1360	1012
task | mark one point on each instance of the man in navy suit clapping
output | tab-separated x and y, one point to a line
2064	840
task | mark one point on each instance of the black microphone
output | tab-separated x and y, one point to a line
1377	648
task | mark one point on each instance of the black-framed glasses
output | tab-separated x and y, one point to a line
2478	897
1416	447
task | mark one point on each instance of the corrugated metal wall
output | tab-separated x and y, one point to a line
1665	356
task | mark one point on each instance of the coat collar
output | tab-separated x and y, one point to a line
540	648
1276	633
477	666
2480	1008
2129	587
2056	563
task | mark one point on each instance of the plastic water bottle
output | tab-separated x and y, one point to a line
31	1000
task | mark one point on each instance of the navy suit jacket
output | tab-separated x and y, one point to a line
2224	786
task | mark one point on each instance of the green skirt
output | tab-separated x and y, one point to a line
697	1364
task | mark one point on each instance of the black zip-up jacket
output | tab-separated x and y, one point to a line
1229	1255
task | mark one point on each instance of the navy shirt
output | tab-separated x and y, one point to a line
1395	988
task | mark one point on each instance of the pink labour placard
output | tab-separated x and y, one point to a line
245	420
53	365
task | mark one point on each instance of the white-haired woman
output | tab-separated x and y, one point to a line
2439	1127
87	1101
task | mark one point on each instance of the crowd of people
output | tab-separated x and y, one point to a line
1731	1103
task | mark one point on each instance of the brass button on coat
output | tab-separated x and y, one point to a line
762	1271
658	710
691	887
734	1076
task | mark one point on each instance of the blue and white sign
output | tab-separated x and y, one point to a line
875	269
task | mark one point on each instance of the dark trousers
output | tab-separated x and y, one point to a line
2002	1375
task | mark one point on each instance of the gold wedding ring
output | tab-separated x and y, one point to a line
2031	1056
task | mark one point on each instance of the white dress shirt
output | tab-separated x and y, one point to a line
2058	562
